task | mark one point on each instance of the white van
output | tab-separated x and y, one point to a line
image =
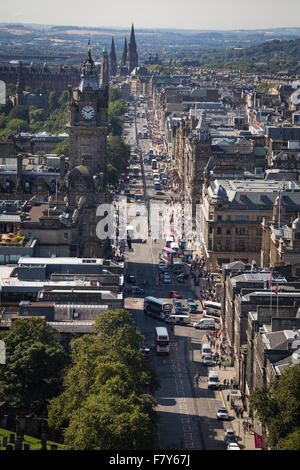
205	324
206	349
178	319
213	380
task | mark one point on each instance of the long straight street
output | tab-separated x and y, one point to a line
187	410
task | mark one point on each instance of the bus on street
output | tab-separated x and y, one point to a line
162	342
157	308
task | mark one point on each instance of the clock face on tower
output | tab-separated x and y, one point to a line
87	112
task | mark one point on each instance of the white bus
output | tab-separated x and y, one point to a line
162	343
157	308
214	307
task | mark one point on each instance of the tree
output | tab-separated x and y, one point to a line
15	125
103	405
53	102
291	442
118	154
19	112
62	148
34	363
278	406
114	94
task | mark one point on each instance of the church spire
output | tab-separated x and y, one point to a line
124	55
132	51
113	59
104	75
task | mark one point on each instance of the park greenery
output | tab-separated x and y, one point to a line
34	363
104	404
99	394
277	406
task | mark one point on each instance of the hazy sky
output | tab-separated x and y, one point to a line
185	14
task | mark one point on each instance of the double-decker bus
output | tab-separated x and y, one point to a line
157	308
167	255
214	307
162	342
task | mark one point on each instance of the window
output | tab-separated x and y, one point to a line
228	231
219	231
66	236
219	218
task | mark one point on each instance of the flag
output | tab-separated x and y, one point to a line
270	281
258	441
276	288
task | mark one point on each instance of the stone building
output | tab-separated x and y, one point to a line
38	76
231	214
87	126
281	239
253	310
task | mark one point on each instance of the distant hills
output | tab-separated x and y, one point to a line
269	57
259	50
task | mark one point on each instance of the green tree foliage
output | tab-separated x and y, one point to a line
34	362
116	111
114	94
13	125
53	102
62	148
103	405
19	112
278	407
118	154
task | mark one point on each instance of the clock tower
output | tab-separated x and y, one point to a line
87	125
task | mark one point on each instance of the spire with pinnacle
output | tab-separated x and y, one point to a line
132	52
104	74
112	59
124	55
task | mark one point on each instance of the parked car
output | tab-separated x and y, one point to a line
229	433
174	295
222	413
192	305
137	290
233	446
230	440
180	278
207	360
130	278
146	353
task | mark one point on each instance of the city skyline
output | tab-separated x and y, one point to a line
216	15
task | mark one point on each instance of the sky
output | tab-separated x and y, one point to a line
156	14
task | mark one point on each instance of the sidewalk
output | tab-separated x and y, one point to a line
245	439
